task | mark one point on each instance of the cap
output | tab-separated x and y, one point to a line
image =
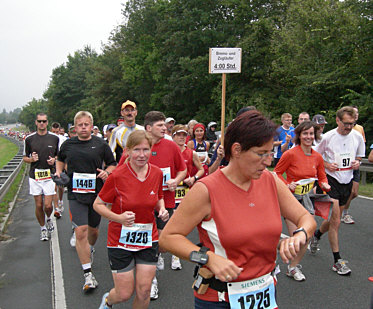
319	119
104	128
212	124
169	119
95	128
180	131
110	126
128	102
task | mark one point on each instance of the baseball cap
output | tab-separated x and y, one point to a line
128	102
169	119
95	128
110	126
319	119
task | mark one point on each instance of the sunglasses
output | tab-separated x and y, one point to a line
42	121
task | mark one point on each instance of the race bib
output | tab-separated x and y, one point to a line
166	176
255	293
84	183
180	192
42	175
304	186
202	156
344	160
136	237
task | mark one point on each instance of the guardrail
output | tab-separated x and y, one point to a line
11	170
365	167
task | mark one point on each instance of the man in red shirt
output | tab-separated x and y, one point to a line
167	156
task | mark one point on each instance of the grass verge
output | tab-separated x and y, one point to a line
7	151
9	196
366	190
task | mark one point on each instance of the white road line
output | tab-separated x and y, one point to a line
58	288
365	197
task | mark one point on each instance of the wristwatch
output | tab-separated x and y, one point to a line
195	177
200	256
301	229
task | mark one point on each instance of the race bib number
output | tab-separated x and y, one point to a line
202	156
42	175
166	176
180	192
136	237
84	183
344	160
304	186
250	294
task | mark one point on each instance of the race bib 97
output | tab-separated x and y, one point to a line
344	160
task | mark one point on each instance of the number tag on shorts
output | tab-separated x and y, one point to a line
84	183
256	293
344	160
42	175
166	177
136	237
304	186
180	192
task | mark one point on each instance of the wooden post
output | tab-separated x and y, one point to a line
222	108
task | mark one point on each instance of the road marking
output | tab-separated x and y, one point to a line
58	288
365	197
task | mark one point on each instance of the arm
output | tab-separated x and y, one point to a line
126	218
59	167
220	155
285	145
34	157
162	211
194	207
197	163
190	144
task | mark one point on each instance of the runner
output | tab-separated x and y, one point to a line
170	123
321	122
167	156
128	199
85	156
40	151
200	145
283	140
119	135
303	116
342	149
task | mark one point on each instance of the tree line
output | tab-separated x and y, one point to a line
297	55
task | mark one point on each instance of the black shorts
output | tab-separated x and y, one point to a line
122	260
339	191
356	176
83	214
160	223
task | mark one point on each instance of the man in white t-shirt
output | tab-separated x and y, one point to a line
342	149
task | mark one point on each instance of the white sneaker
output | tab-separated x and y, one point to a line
60	206
347	218
160	263
73	240
89	282
296	273
175	263
49	225
44	235
57	212
154	289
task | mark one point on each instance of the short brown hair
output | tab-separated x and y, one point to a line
346	110
153	117
136	137
303	127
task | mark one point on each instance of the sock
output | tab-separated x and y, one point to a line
43	227
86	268
344	212
336	256
318	234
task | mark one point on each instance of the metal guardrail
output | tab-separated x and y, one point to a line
365	167
11	170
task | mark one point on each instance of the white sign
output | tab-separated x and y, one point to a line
225	60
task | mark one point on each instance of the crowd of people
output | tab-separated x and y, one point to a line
156	182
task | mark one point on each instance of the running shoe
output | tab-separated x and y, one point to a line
154	289
50	226
175	263
57	213
341	268
89	282
73	239
92	253
347	218
314	245
296	273
44	235
103	304
160	263
370	279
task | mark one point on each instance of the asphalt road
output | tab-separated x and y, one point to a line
29	277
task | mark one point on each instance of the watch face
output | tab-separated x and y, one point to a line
199	257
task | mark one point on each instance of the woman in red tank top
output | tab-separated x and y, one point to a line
238	213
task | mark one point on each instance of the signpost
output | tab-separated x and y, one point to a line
222	61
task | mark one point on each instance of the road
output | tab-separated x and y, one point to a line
29	268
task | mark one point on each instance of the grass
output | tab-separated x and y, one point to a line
9	196
7	151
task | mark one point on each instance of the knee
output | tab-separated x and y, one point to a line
81	233
143	293
123	295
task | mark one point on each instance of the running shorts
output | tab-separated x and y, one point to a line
46	187
339	191
83	214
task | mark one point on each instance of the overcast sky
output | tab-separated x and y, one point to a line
36	36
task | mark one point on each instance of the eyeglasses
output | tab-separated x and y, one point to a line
264	156
42	121
348	124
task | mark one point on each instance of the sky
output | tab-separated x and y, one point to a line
37	36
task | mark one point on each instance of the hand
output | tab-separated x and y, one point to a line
292	186
34	157
163	214
220	152
355	164
224	269
102	174
289	247
58	174
51	160
127	218
189	181
171	184
325	186
287	138
332	166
